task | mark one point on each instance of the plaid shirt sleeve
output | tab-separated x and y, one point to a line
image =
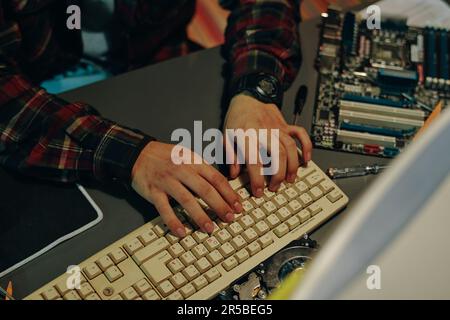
47	137
262	36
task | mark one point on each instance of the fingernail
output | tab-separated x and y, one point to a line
229	217
181	232
208	227
259	192
275	188
237	206
291	178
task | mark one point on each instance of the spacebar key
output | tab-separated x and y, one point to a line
149	251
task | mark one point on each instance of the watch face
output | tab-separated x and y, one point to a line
267	87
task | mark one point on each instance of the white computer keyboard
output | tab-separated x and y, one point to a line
151	263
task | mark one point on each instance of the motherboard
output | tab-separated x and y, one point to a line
376	87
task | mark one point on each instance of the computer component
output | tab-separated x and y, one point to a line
380	85
399	227
151	263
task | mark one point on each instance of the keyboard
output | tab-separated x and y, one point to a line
151	263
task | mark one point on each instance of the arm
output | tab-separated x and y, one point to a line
262	37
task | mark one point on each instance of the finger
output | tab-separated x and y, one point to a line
279	176
161	203
292	157
231	157
221	184
191	205
208	193
235	170
254	167
301	134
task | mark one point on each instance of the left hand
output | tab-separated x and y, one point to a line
246	112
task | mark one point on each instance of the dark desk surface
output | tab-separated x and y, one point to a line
157	99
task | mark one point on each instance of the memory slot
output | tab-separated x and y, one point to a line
373	100
378	120
382	110
443	56
431	54
351	137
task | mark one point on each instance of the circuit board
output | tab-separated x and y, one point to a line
376	87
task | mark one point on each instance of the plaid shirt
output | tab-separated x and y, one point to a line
47	137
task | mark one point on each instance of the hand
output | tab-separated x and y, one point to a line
246	112
155	177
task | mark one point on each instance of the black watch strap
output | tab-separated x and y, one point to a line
263	87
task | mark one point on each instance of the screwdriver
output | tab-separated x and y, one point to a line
300	100
356	171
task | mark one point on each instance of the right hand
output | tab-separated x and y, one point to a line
155	177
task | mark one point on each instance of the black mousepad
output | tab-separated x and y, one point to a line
34	214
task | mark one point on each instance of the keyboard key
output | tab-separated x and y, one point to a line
243	192
165	288
268	194
238	242
258	214
92	296
71	295
200	236
281	230
132	246
304	171
85	290
306	199
151	295
147	237
247	206
200	282
50	294
191	272
187	291
291	193
160	229
214	257
272	221
250	235
283	213
235	229
61	286
326	186
104	262
178	280
301	187
200	251
314	179
187	258
293	222
155	268
334	195
230	263
295	206
226	249
269	207
212	274
175	296
117	255
253	248
246	222
304	215
280	200
242	255
188	243
314	209
175	265
212	243
142	286
149	251
261	228
113	273
176	250
129	294
172	238
257	201
316	193
265	240
223	236
92	271
202	264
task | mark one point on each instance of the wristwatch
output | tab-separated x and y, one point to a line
262	86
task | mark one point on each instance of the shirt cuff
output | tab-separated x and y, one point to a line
117	152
